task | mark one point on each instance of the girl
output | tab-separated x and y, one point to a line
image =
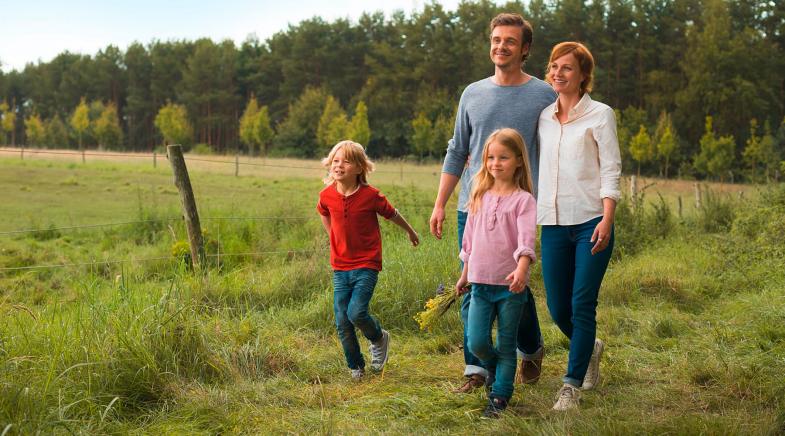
498	247
348	207
578	190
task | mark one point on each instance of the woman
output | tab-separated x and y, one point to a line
580	168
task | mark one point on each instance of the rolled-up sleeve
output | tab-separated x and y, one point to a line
466	243
526	224
610	158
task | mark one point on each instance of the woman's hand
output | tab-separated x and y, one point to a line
601	236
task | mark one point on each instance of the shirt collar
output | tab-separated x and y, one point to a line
578	110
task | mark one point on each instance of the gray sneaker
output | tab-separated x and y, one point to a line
358	374
568	398
592	377
378	351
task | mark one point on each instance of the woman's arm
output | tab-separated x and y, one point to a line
602	233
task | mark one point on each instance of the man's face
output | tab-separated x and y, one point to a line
507	49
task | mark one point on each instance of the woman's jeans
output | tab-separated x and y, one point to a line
353	290
529	337
491	302
572	278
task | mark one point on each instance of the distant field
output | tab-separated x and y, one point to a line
691	309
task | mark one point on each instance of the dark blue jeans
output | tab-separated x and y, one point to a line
352	293
529	338
491	302
572	284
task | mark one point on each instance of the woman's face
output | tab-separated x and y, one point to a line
565	75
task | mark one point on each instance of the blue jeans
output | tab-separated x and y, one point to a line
529	340
491	302
352	293
572	284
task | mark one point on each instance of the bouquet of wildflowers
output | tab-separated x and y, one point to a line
435	308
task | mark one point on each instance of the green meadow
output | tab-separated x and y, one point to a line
120	335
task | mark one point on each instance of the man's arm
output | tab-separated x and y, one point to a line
447	184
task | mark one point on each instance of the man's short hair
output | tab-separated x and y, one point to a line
511	19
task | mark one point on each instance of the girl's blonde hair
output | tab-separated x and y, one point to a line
483	181
354	153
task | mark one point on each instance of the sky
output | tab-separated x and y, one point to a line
38	30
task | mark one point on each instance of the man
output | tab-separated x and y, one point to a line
510	98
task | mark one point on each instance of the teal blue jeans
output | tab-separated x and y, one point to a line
351	295
489	303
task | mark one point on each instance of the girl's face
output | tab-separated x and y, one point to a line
565	75
344	170
502	162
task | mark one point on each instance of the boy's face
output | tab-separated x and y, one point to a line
343	170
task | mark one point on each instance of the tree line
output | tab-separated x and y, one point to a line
697	84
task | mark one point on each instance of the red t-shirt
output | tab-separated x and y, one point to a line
355	238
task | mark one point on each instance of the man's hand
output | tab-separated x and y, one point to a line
436	221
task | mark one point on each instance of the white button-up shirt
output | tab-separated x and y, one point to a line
579	163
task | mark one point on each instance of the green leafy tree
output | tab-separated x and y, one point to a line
248	124
359	129
296	134
264	132
666	148
716	153
760	153
172	122
422	135
443	130
107	127
34	131
80	121
332	123
641	148
8	121
56	132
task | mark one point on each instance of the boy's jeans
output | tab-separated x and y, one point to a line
352	292
489	302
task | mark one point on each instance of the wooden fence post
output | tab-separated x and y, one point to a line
634	191
23	152
155	160
697	195
680	215
236	165
192	226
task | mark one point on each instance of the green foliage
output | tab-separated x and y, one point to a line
422	134
760	153
107	127
34	131
296	135
172	122
332	126
56	132
666	142
716	213
255	130
359	129
716	154
80	120
8	120
641	148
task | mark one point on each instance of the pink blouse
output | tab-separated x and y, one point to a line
503	230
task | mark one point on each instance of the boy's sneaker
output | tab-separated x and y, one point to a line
472	382
568	398
378	351
494	408
358	374
592	377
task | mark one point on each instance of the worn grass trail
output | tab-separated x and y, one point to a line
692	317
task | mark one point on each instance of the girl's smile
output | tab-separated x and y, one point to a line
502	163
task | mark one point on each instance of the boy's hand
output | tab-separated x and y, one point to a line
415	238
517	280
462	286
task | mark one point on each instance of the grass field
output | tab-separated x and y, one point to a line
692	310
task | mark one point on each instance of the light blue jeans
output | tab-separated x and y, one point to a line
491	302
352	293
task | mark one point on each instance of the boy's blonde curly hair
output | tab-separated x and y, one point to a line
354	153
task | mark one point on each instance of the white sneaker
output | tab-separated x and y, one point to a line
379	350
568	398
358	374
592	377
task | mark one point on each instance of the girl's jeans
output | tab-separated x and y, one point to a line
489	302
529	336
353	290
572	278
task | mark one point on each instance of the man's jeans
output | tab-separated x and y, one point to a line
529	340
572	283
352	292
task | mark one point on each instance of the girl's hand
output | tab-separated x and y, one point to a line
601	236
415	238
517	280
462	286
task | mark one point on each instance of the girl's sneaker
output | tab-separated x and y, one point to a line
379	351
568	398
358	374
592	377
494	408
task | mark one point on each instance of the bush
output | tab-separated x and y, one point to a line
202	148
